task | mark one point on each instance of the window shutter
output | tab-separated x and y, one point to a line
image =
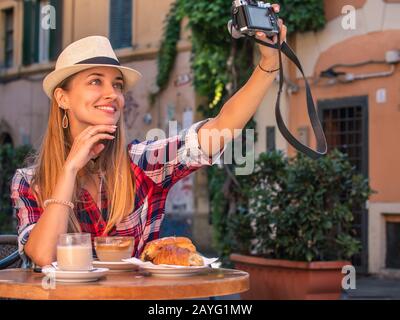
27	41
8	37
120	23
56	34
271	139
37	25
31	32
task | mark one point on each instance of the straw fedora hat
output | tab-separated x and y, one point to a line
89	52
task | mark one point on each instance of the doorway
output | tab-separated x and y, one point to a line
345	123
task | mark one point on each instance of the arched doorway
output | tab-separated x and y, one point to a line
5	138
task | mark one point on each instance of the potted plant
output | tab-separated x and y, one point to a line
297	233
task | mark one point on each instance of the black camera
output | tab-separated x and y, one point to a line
249	17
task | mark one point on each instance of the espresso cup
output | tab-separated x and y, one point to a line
114	249
74	252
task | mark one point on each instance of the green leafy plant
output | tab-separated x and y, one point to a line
10	159
303	16
212	45
168	51
301	209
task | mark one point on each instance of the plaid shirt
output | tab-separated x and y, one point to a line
176	157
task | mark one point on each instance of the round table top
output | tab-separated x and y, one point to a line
27	284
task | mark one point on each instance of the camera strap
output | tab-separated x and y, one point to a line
315	123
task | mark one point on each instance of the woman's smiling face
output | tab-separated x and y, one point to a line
94	96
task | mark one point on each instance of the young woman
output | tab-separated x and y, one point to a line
86	179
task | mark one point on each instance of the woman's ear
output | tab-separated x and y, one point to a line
61	98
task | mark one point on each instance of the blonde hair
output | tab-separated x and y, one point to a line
113	161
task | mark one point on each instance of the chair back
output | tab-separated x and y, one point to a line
8	246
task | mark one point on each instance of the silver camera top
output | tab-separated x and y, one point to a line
238	3
260	4
263	4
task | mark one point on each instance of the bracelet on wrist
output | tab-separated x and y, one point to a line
267	71
56	201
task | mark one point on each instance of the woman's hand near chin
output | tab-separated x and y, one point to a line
86	145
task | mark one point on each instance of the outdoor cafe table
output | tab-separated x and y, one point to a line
27	284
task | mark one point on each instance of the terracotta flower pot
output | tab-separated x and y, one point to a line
272	279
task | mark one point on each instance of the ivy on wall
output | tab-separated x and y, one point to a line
212	46
168	51
303	15
221	66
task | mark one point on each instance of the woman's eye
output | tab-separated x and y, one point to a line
120	86
95	81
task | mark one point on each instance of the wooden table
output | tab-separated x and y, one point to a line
27	284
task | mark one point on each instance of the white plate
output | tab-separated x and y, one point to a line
172	270
74	276
116	266
164	271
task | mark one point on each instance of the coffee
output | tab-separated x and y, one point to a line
74	258
74	252
114	248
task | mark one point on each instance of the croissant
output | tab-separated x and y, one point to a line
174	255
151	249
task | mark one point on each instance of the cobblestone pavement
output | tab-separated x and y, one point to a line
374	288
367	288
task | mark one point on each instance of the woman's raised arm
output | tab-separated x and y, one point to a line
239	109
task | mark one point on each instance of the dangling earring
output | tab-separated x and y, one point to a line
65	120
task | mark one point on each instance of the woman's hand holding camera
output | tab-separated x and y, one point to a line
269	56
86	145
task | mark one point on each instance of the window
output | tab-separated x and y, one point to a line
41	44
5	138
271	139
8	37
343	128
120	32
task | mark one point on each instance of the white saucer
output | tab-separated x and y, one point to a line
74	276
116	266
167	271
